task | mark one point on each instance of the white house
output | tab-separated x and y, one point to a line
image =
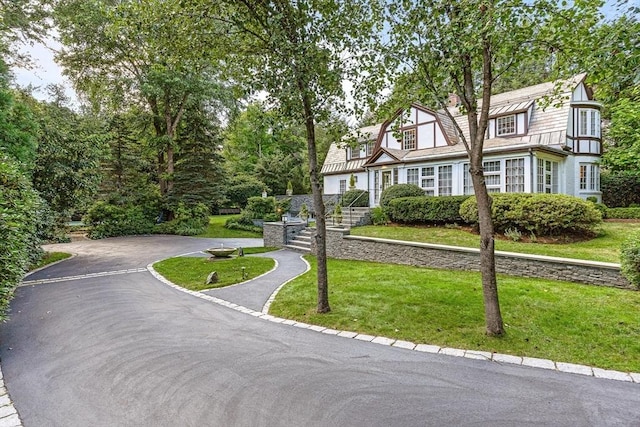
531	147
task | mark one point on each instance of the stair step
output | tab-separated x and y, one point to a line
298	248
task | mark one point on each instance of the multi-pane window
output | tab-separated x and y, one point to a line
466	178
428	182
514	175
395	176
492	176
376	185
412	176
445	180
589	122
506	125
343	186
409	139
355	152
369	148
547	176
589	176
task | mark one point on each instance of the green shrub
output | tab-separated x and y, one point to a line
623	213
359	198
602	209
241	188
283	206
620	189
18	229
630	259
108	220
258	207
337	214
426	209
242	222
378	217
541	214
397	191
190	220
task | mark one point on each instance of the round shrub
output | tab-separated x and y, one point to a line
359	198
259	207
397	191
190	220
630	259
541	214
426	209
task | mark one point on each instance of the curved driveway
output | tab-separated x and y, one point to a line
126	350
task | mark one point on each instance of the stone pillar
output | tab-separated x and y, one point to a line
279	234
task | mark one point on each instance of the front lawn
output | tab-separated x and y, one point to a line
561	321
605	247
192	272
217	229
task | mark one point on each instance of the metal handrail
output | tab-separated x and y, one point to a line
352	203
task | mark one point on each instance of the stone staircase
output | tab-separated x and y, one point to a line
302	241
353	217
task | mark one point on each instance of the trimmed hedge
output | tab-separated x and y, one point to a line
361	198
109	220
541	214
623	213
425	209
397	191
630	259
19	204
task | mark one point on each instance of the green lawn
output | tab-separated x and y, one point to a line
216	229
192	272
605	247
561	321
49	258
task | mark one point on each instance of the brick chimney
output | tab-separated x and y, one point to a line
454	100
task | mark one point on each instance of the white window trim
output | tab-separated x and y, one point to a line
416	178
511	132
429	190
414	139
591	181
589	122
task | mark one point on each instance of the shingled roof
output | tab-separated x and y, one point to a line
547	128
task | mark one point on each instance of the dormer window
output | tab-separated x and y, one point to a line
506	125
355	152
370	146
409	139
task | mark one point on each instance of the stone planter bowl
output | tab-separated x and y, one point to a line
220	252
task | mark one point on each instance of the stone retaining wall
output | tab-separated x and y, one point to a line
278	234
340	244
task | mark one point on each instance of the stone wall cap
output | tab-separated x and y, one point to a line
574	261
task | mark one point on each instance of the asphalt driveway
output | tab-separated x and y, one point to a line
126	350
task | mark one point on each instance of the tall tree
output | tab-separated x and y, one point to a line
151	53
70	146
465	47
199	176
297	51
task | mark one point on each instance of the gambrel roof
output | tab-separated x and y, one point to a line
546	128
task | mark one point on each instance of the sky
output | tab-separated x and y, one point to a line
46	71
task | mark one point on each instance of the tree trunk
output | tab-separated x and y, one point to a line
318	204
493	317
